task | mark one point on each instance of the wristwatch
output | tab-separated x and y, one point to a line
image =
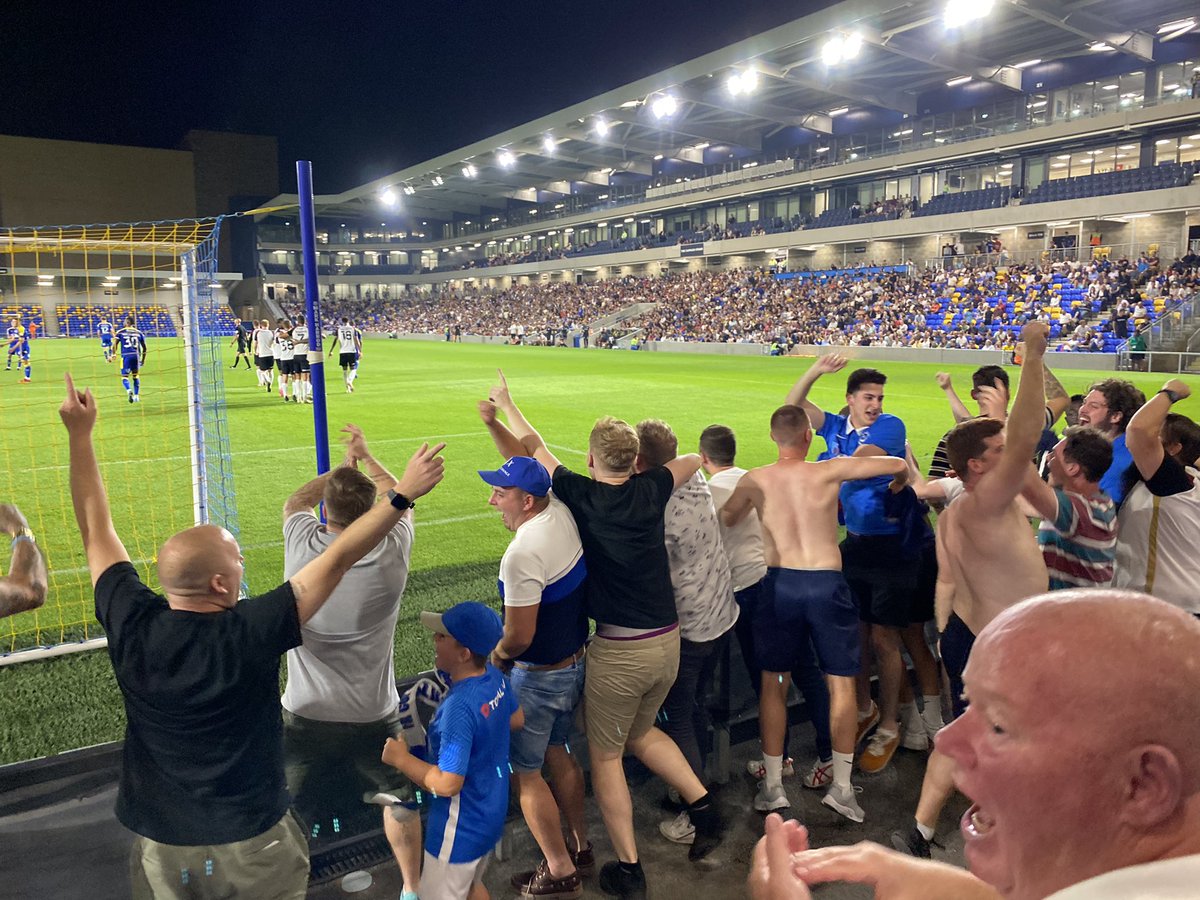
1173	396
398	500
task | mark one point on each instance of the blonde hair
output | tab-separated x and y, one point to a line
658	444
614	445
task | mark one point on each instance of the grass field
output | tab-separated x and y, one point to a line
407	392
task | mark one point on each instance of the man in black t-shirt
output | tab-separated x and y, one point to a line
202	781
634	657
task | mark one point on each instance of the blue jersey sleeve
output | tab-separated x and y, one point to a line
887	433
457	734
834	425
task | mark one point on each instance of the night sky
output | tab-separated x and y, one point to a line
361	88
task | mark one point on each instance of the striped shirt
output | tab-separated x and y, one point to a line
1079	543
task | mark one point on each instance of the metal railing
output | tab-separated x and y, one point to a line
1050	256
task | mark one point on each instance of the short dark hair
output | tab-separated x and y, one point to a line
1090	448
1180	429
985	376
968	440
859	377
719	443
657	444
789	423
1122	397
348	494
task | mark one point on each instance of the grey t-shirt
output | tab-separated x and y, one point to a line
345	669
699	567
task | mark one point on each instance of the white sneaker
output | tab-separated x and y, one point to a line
680	829
914	740
820	775
768	799
843	802
758	768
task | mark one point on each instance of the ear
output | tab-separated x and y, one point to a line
1153	791
217	585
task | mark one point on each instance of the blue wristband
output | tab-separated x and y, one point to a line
21	537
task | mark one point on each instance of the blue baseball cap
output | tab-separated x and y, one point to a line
522	472
474	625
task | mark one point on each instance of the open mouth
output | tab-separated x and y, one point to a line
976	823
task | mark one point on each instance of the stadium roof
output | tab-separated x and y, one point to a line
898	52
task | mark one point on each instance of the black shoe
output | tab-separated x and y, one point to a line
911	842
616	881
585	860
710	830
540	883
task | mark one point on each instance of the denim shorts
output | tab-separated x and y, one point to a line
549	699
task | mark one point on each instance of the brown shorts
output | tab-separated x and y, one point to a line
626	683
271	866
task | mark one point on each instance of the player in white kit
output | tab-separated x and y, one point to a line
349	344
285	357
301	384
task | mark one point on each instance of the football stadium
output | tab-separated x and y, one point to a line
872	236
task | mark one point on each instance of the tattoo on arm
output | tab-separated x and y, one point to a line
1054	388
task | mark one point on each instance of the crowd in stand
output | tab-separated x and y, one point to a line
975	307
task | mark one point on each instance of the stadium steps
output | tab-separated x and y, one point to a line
627	312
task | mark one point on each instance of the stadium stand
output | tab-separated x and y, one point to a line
1148	179
29	314
965	201
81	321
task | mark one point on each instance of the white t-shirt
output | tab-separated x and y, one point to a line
543	550
300	337
699	566
1166	879
264	340
952	487
345	670
1170	569
743	542
345	334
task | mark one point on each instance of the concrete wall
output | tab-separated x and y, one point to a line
46	182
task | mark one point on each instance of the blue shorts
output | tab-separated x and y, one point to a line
957	641
802	605
129	365
549	698
106	340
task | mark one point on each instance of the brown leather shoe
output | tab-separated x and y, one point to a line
540	883
585	860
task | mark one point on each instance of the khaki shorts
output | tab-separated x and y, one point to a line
626	683
450	881
271	866
311	747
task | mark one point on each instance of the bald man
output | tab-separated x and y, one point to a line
202	780
1079	787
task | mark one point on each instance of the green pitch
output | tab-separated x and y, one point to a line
407	392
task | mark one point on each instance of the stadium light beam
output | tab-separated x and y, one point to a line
548	144
962	12
601	127
388	197
664	106
840	48
506	158
744	82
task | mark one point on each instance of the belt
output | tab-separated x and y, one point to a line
561	664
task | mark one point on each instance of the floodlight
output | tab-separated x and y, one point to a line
601	128
1027	63
409	190
831	52
960	12
505	158
388	197
833	113
469	171
851	45
548	144
663	106
1099	47
743	82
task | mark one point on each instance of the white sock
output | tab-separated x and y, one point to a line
911	718
842	764
932	713
926	831
774	774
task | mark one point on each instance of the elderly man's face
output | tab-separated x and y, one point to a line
1035	773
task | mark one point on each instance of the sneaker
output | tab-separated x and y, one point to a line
820	775
130	393
911	842
914	740
758	768
616	881
26	380
768	798
879	752
540	883
679	830
842	800
137	398
585	860
865	724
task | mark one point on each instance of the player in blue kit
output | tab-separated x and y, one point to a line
16	335
468	745
133	356
105	330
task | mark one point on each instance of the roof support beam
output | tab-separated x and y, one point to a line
682	123
854	91
947	57
1137	44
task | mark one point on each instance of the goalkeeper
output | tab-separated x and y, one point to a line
341	703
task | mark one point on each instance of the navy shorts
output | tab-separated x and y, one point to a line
957	641
802	605
920	608
348	360
129	365
882	580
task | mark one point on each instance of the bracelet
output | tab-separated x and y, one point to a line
21	537
1173	396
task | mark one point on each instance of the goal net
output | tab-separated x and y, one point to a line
161	438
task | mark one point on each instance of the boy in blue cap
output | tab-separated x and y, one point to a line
468	742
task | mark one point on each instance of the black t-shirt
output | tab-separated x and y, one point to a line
203	757
621	529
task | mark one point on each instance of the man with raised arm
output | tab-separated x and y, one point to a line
634	658
805	596
882	570
202	780
988	557
341	702
24	587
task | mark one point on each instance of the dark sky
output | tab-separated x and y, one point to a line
361	88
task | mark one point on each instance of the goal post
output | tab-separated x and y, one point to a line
162	437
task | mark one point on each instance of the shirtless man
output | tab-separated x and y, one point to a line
988	557
804	594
